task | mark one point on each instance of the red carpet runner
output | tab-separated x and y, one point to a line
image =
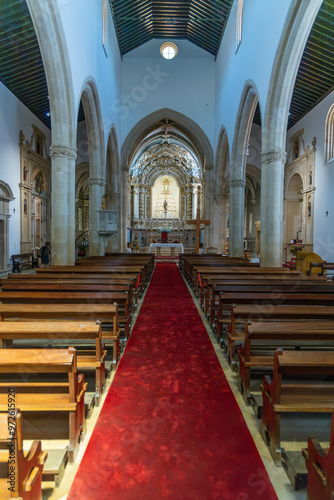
170	427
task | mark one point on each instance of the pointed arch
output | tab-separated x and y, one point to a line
299	21
248	102
93	115
186	125
51	38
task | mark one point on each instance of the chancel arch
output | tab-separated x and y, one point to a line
165	143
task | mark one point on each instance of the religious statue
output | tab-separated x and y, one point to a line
25	207
165	206
39	182
309	208
25	173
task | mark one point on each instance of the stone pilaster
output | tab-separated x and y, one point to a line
271	234
236	233
63	204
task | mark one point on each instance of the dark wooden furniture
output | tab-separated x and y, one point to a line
63	334
320	468
21	472
26	260
105	313
20	366
281	397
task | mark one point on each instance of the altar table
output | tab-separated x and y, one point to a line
172	246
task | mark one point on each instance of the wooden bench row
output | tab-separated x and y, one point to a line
21	472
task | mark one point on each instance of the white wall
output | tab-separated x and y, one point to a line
314	126
82	22
263	23
184	84
14	116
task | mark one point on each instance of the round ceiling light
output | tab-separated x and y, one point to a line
168	50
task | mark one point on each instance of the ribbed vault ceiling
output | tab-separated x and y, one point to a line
136	22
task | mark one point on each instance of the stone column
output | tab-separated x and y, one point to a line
113	203
124	208
63	204
189	202
216	231
236	233
271	235
141	202
95	196
71	208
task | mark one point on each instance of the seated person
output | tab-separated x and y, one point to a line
254	259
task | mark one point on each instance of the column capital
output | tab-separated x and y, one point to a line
272	156
96	181
233	183
60	150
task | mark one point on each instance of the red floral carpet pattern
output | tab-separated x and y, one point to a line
170	427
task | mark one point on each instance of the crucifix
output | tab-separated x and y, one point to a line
198	221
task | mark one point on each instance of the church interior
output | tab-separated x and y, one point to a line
167	255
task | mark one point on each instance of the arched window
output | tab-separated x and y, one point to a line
329	135
239	24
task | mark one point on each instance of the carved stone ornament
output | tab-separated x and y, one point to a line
63	151
272	156
218	197
96	181
237	183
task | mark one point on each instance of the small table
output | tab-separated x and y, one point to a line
172	246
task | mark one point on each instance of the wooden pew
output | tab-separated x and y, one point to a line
248	313
26	260
261	338
21	473
221	272
63	334
105	313
280	397
208	283
248	284
84	298
31	396
320	468
139	281
256	299
129	283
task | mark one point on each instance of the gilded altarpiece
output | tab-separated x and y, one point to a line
35	168
299	189
175	171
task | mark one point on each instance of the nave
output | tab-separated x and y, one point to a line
175	431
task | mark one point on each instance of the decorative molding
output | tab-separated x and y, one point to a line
96	181
272	156
63	151
218	197
237	183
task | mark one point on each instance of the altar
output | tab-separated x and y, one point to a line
172	246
